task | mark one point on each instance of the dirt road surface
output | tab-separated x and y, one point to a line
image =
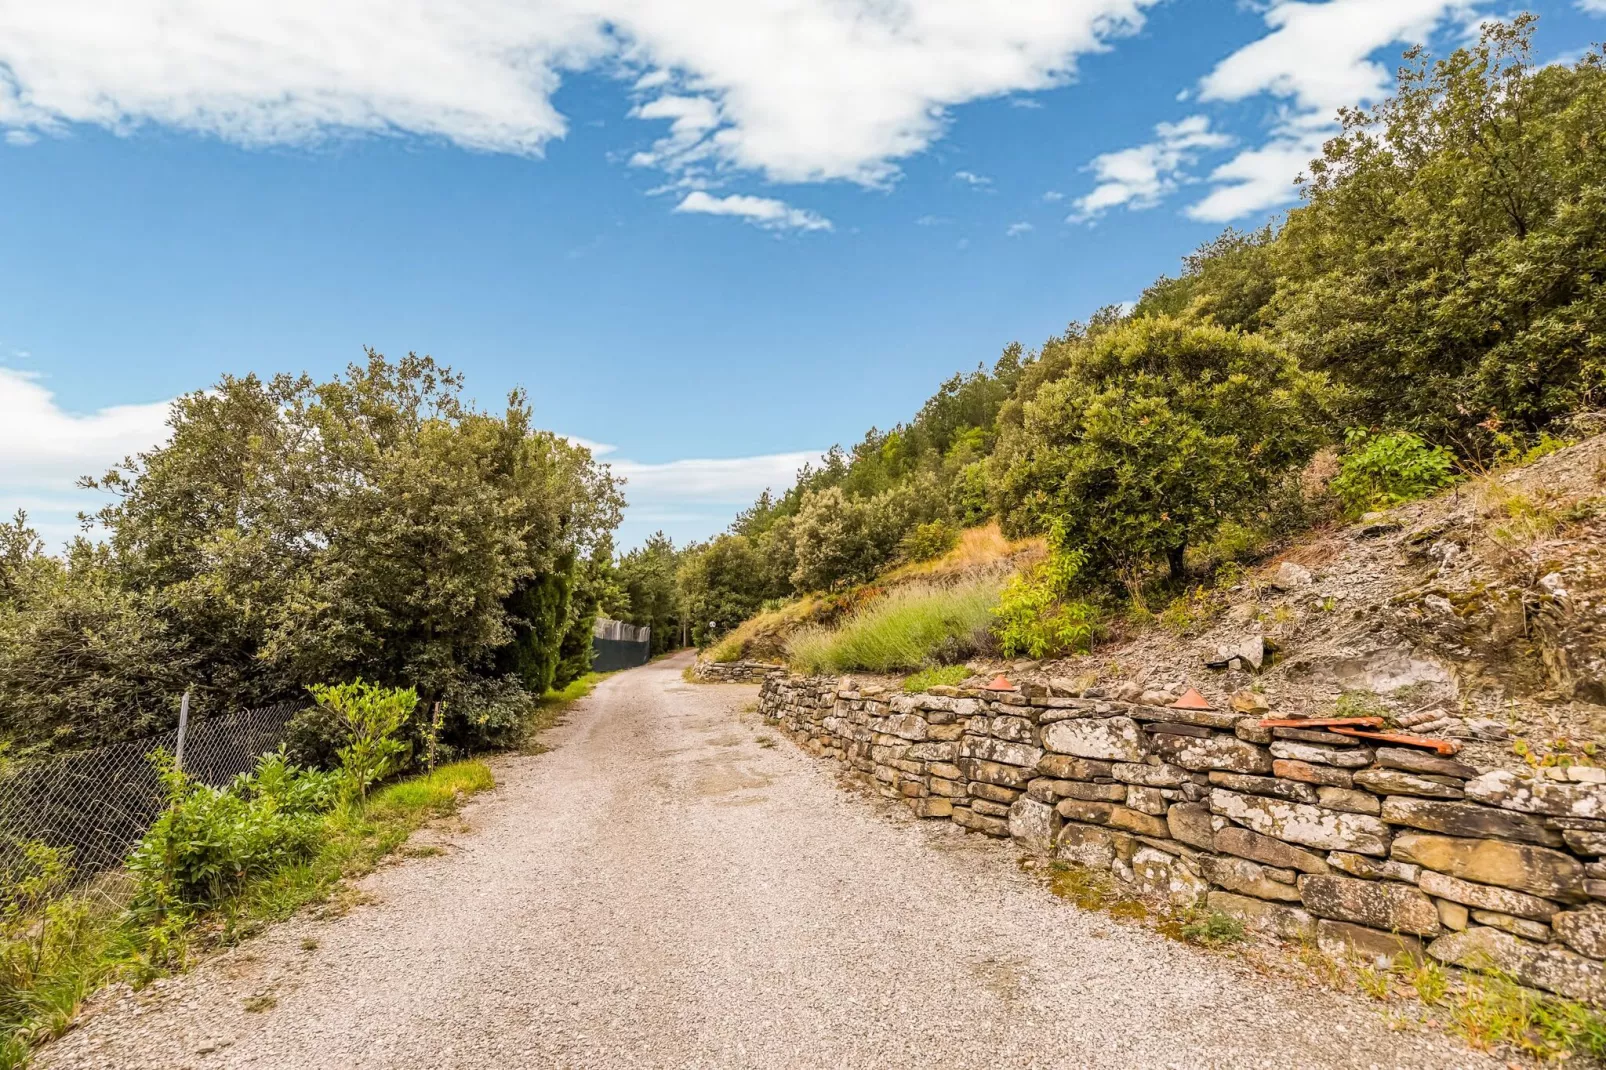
674	885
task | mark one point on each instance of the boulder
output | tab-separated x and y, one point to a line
1033	825
1192	824
1227	753
1376	904
1554	969
1158	873
1249	878
1395	782
1486	897
1511	792
1315	754
1252	845
1537	870
1257	915
1341	940
1299	823
1583	930
1290	577
1110	738
1467	820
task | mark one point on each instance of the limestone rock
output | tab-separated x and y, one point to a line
1376	904
1151	776
1121	817
1002	751
1536	931
1192	824
1148	800
1095	848
1552	968
1376	869
992	826
1511	792
1420	761
1293	790
1344	758
1081	789
1538	870
1227	753
1303	824
932	806
1341	940
993	792
1468	820
1453	916
990	808
1158	873
1013	729
1065	767
1009	776
1110	738
1395	782
1348	800
1289	923
1249	878
1486	897
1292	769
1583	930
1290	577
1249	702
1033	825
1252	845
1586	841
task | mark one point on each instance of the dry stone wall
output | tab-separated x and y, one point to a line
1299	832
735	672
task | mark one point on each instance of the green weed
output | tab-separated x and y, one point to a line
938	676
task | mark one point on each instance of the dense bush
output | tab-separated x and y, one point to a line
210	842
1155	433
910	627
1384	469
1038	614
293	531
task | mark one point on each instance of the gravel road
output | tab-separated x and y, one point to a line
665	889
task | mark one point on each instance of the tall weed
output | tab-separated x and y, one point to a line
908	628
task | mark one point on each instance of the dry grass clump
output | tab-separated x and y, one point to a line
979	549
912	626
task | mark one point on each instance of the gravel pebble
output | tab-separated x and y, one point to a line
662	890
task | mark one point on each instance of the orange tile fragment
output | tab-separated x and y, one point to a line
1191	700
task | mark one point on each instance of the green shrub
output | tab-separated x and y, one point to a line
937	676
1379	470
910	627
370	717
210	842
926	541
1213	930
1036	615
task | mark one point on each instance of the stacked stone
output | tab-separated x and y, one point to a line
1300	832
735	672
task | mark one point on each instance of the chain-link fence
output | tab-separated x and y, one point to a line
98	803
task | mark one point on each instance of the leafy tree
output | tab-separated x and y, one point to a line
1448	263
1157	431
722	583
647	577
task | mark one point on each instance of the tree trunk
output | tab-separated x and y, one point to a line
1173	558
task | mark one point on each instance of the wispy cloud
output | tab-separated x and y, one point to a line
1015	230
763	212
973	180
1141	176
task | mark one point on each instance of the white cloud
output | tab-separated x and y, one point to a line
794	90
972	179
763	212
716	481
1015	230
47	449
1318	57
1139	177
1594	7
1053	195
932	221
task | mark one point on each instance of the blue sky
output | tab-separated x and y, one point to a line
710	236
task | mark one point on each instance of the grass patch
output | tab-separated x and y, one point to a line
977	549
939	676
54	954
1214	929
909	627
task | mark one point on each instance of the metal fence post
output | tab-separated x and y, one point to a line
183	723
